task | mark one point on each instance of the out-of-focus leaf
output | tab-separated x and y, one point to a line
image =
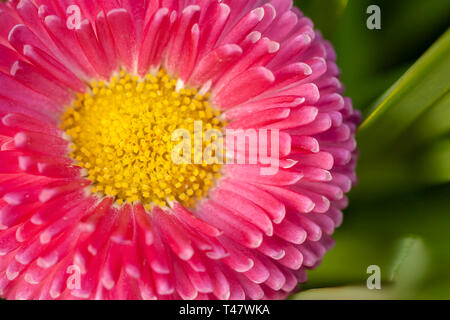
390	200
425	83
410	265
407	272
371	229
346	293
421	159
357	247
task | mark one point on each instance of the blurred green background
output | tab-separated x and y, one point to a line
399	214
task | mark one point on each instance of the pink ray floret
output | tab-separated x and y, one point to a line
254	236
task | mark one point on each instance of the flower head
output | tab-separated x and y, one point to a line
167	149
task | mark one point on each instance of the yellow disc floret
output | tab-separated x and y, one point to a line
122	133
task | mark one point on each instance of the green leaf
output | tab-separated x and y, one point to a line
424	84
370	234
410	265
408	271
421	159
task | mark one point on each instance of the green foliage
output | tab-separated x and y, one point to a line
423	85
410	265
404	168
372	60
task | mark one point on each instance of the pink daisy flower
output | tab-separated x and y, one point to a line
92	203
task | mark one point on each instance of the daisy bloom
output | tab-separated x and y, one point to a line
96	99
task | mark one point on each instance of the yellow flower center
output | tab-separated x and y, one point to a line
122	133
